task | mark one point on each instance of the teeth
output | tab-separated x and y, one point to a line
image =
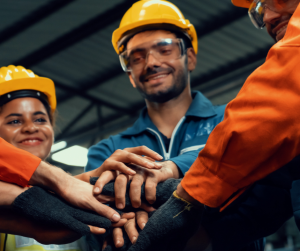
281	29
160	76
30	140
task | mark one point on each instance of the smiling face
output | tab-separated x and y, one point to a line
277	20
160	81
24	123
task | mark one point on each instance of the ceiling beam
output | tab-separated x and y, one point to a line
32	18
76	35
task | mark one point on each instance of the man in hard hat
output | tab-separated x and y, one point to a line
152	56
259	134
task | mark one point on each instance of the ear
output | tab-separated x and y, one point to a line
131	79
192	59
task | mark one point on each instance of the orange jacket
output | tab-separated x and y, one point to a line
16	165
261	128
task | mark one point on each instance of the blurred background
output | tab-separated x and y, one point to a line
69	41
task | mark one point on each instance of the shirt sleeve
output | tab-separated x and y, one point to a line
99	153
16	165
185	161
260	132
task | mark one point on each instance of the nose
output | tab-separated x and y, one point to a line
29	127
152	61
270	17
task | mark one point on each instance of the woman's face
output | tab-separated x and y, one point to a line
24	123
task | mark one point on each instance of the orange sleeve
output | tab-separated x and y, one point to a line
16	165
260	131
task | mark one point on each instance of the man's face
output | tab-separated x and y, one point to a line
158	81
276	19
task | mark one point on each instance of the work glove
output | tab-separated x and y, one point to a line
44	206
170	226
163	192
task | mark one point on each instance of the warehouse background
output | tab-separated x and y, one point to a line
69	41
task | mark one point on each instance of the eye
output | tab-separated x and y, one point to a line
41	120
14	122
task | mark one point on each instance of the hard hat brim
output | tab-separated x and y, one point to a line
118	33
41	84
242	3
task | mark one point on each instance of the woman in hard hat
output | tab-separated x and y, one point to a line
27	107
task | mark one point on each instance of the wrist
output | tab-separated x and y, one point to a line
49	177
174	169
184	195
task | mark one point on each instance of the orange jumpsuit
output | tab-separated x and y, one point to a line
16	165
260	131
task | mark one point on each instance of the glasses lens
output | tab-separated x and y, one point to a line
162	50
256	13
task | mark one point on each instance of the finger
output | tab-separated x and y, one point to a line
135	190
150	190
96	230
141	218
128	215
143	150
105	211
147	208
120	190
106	177
121	223
118	237
104	198
131	230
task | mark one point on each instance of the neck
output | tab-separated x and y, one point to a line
166	116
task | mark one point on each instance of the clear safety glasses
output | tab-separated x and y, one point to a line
257	9
162	50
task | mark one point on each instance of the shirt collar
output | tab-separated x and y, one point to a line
200	107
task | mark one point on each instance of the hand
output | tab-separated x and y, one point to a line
117	162
150	177
36	202
69	188
170	227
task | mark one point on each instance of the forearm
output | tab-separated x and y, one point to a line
8	193
51	178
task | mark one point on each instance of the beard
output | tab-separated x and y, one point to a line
179	84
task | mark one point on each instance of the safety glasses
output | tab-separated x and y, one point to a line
162	50
257	9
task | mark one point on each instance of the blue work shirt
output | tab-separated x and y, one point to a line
188	138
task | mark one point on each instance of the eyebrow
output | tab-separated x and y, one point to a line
20	115
14	114
37	113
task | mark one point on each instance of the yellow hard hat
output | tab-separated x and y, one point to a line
153	12
17	78
242	3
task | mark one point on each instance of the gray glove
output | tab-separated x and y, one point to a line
170	227
43	206
163	191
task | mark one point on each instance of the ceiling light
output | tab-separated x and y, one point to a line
73	156
58	146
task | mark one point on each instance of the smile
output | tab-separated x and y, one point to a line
31	142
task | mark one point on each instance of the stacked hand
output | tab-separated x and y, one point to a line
44	206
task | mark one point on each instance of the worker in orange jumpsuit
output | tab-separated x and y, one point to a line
260	133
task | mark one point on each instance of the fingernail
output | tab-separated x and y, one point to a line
143	225
159	156
116	217
134	240
120	206
150	164
132	172
97	190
